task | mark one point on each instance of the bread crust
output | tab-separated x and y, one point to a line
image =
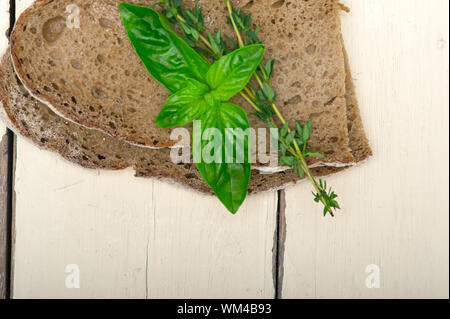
358	141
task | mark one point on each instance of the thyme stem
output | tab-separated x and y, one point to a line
236	30
257	109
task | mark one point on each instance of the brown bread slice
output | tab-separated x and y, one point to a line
92	76
359	143
94	149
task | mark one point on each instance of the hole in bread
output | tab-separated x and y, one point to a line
330	101
311	49
278	4
101	157
100	58
53	28
99	94
248	5
294	100
297	84
106	23
190	176
76	65
334	139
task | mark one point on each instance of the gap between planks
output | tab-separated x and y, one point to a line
6	212
279	245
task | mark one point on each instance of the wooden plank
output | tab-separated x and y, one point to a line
132	238
395	212
4	176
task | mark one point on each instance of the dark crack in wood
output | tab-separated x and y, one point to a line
279	245
6	206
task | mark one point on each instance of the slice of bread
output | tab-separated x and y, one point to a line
92	76
359	143
96	150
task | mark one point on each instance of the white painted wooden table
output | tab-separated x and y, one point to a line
135	238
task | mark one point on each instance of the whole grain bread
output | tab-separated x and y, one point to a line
96	150
359	143
93	77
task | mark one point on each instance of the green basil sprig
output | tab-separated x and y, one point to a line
293	144
200	93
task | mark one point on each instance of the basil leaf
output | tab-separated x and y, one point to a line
227	169
183	107
165	55
231	73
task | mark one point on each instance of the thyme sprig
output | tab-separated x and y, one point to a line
293	144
